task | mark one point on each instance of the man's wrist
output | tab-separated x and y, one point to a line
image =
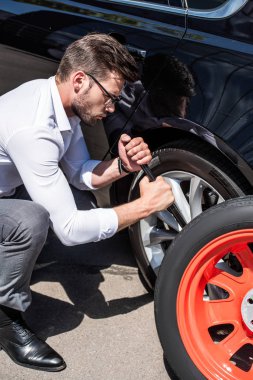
122	168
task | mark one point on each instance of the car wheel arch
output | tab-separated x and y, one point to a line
183	129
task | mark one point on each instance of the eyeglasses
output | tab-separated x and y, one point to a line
112	99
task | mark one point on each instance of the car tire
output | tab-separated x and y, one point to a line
197	161
205	336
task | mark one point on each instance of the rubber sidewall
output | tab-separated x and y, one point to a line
229	216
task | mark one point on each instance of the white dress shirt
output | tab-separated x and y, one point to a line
35	137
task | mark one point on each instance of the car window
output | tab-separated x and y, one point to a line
172	3
206	4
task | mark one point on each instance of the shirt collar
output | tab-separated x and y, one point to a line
64	123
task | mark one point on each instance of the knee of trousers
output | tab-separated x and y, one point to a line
26	218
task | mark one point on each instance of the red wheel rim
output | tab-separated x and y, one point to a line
214	331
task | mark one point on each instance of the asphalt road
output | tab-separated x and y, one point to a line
91	307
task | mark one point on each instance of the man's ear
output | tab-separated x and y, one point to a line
80	80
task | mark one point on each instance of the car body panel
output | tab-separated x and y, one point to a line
220	52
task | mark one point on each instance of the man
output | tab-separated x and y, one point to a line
42	148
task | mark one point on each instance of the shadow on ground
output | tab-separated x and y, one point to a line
80	270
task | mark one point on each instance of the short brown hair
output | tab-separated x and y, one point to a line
97	54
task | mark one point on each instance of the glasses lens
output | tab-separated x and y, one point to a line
113	100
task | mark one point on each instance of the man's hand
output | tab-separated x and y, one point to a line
157	194
154	196
133	152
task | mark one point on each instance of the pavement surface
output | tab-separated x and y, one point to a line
90	305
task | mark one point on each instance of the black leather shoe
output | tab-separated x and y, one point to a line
26	349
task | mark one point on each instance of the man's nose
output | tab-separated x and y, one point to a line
110	107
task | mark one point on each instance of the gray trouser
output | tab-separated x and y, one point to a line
23	232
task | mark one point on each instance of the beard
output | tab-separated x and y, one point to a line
81	108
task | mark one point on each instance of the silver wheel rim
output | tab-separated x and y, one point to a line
191	197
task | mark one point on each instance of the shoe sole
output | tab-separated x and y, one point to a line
47	369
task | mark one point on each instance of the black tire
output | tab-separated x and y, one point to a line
197	159
233	216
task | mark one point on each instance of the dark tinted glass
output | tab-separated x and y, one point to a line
205	4
175	3
172	3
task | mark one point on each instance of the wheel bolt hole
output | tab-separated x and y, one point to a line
250	301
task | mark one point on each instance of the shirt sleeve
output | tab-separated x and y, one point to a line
36	154
76	162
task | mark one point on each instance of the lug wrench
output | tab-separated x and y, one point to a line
172	220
